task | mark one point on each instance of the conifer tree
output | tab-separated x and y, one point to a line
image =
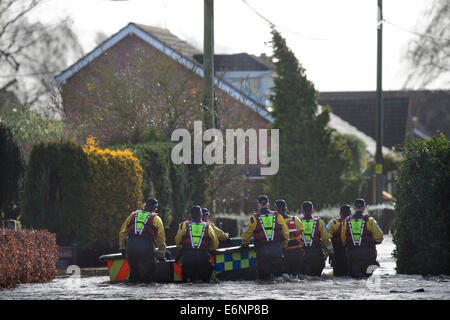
314	161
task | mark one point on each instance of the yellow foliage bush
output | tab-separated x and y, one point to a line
115	191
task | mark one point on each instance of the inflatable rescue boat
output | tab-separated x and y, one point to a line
231	262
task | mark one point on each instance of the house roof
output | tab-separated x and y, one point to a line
236	62
408	114
173	47
359	110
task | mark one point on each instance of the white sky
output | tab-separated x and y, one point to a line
346	62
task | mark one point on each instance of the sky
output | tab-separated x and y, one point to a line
335	41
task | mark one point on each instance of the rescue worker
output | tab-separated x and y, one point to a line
196	239
360	233
138	234
270	234
294	252
221	236
334	228
315	235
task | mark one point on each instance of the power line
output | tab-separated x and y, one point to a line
416	33
346	36
297	33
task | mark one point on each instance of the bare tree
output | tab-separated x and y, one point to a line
32	53
429	53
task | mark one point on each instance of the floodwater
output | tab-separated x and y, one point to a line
385	284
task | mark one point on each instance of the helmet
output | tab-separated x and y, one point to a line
307	206
345	210
195	212
263	200
280	205
359	203
205	214
151	204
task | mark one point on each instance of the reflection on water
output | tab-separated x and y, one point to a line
379	286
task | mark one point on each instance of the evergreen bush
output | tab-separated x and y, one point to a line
12	168
422	227
55	192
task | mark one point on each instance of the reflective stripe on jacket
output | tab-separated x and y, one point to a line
142	224
197	236
267	227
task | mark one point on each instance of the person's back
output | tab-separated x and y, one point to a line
334	228
360	233
138	234
294	251
197	239
315	235
270	234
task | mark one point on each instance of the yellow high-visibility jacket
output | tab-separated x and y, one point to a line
325	236
371	226
249	230
160	239
213	244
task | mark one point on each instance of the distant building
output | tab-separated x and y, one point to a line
408	114
249	73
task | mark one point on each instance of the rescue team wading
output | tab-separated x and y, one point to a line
282	244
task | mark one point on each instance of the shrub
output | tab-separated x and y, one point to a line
12	169
167	182
55	190
423	207
114	192
27	256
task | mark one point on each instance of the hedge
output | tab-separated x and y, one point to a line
55	192
169	183
83	195
27	256
422	227
12	168
114	192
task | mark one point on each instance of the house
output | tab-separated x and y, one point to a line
249	73
144	54
408	114
159	44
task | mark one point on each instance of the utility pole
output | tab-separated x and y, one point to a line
208	65
379	113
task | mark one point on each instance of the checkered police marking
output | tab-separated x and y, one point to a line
235	261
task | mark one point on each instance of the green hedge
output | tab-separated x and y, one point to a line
81	195
422	227
55	192
12	169
167	182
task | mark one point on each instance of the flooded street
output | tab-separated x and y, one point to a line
385	284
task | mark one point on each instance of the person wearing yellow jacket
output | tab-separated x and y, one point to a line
137	238
295	250
334	228
221	236
315	237
196	239
270	235
360	234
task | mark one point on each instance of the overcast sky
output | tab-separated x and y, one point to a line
345	60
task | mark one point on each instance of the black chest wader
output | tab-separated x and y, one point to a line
196	261
361	257
140	251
